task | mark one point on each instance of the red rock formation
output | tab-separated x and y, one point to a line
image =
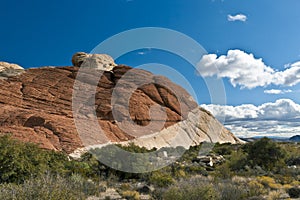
36	106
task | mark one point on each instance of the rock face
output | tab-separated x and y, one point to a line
200	126
9	70
36	106
96	61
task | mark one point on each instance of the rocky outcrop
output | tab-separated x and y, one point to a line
96	61
209	160
9	70
200	126
36	106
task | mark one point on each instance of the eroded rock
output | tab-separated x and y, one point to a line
36	106
96	61
9	70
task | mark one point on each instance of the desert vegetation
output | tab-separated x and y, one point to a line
258	170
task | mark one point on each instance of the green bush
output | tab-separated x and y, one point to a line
294	192
20	161
223	149
161	179
223	171
238	161
264	153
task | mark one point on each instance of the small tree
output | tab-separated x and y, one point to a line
264	153
20	161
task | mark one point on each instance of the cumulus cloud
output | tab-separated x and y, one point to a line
282	109
280	118
245	70
238	17
274	91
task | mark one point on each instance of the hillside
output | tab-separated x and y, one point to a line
36	106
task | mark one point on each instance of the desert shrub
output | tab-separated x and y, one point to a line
295	183
117	156
130	195
223	149
20	161
125	186
86	186
274	195
191	191
293	161
294	192
160	179
80	167
201	187
229	191
269	182
293	152
194	151
285	179
238	161
223	171
48	187
239	188
255	188
179	173
264	153
195	169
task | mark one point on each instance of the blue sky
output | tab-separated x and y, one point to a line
40	33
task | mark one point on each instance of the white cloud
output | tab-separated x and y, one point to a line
238	17
281	118
274	91
144	51
245	70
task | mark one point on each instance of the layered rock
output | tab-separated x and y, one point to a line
10	70
36	106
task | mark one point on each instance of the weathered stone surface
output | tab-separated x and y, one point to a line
36	106
96	61
9	70
200	126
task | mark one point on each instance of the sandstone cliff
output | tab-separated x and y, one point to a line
36	106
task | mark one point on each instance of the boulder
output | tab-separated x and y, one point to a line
209	160
97	61
9	70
